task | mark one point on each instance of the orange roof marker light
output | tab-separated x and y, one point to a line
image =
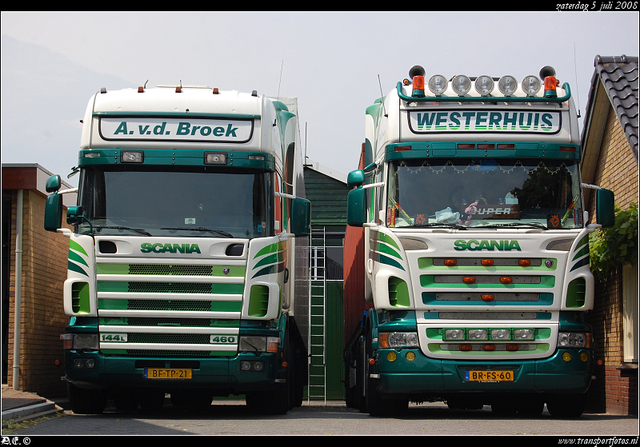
550	82
417	77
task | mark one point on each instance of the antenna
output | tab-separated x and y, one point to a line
575	70
280	81
382	95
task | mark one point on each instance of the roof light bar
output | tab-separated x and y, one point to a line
484	86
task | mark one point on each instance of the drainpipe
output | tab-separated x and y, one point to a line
18	295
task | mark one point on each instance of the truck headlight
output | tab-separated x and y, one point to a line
399	340
258	344
85	341
454	334
574	340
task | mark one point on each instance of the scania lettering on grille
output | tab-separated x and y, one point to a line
169	248
474	245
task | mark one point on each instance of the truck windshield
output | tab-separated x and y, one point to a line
172	203
484	193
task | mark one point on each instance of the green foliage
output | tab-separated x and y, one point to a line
615	246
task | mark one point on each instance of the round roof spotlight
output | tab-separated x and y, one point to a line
484	85
461	84
507	85
531	85
416	70
438	84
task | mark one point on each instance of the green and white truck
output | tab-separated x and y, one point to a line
475	275
188	258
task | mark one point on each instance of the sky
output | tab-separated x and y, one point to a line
335	63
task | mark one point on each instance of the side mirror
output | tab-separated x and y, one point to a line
605	208
355	178
53	183
74	214
356	207
300	216
53	205
53	212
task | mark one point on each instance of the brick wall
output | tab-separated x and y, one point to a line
44	269
615	388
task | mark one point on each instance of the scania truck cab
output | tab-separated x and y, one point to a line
188	257
476	257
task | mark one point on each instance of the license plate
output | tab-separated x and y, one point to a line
489	376
167	373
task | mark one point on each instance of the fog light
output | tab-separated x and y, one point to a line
410	356
392	356
584	356
245	366
566	356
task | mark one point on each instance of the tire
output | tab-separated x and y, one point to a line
272	402
192	399
531	407
84	401
151	400
567	406
376	404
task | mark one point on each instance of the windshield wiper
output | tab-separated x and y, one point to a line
137	230
220	232
515	224
441	224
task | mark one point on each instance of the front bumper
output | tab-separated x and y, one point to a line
425	376
223	374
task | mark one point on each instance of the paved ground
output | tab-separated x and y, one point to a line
20	405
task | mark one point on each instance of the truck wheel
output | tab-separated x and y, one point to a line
381	407
566	406
85	401
531	407
274	401
192	399
151	400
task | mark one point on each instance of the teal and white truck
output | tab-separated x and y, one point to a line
188	258
475	275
